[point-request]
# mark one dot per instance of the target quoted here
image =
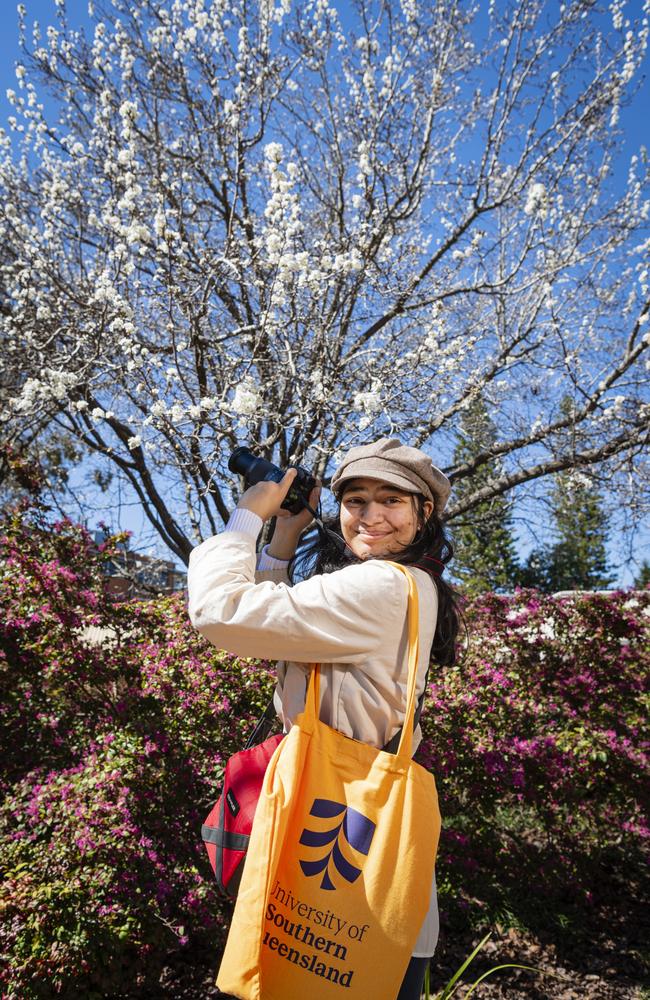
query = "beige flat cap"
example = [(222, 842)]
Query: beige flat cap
[(396, 463)]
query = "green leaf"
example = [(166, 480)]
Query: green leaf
[(511, 965), (448, 990)]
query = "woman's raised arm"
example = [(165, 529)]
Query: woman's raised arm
[(331, 618)]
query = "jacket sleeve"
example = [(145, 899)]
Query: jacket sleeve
[(338, 617), (270, 568)]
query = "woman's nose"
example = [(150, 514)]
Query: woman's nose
[(371, 513)]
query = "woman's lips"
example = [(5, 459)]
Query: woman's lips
[(373, 534)]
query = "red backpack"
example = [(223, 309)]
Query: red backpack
[(227, 828)]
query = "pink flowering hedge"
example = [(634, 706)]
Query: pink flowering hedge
[(111, 755), (537, 742)]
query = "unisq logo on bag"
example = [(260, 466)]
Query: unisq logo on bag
[(317, 940), (352, 828)]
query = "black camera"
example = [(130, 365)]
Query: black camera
[(257, 470)]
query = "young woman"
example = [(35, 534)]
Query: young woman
[(349, 614)]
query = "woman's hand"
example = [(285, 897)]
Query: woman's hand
[(265, 499), (289, 527)]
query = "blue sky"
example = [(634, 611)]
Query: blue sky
[(635, 131), (634, 120)]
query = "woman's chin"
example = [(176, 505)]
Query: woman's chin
[(368, 550)]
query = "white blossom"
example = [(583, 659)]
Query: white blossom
[(537, 201), (547, 629), (247, 399), (363, 160), (273, 153), (370, 401)]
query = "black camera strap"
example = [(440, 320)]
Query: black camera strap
[(393, 743)]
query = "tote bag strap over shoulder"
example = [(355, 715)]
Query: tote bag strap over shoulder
[(405, 747)]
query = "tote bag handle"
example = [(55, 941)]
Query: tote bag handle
[(405, 748)]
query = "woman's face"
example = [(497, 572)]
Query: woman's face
[(378, 519)]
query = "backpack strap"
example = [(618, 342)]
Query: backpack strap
[(263, 727)]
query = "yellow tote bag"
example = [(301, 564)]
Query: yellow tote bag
[(338, 874)]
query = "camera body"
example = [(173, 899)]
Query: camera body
[(257, 470)]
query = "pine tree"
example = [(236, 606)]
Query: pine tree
[(643, 579), (484, 548), (577, 559), (534, 571)]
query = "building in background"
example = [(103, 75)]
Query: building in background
[(137, 576)]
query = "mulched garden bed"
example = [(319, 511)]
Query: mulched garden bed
[(611, 970)]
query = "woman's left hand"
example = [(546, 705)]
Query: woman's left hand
[(265, 498)]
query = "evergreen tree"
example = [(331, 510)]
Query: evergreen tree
[(643, 579), (534, 571), (577, 559), (484, 548)]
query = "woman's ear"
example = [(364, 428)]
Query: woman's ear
[(427, 508)]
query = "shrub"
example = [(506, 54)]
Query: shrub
[(112, 753), (536, 741), (102, 868), (53, 684)]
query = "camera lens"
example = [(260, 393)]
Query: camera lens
[(240, 461), (253, 469)]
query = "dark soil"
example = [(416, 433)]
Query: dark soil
[(612, 971), (598, 974)]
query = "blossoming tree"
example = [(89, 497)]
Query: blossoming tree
[(304, 224)]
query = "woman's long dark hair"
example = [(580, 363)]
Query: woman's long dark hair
[(317, 553)]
